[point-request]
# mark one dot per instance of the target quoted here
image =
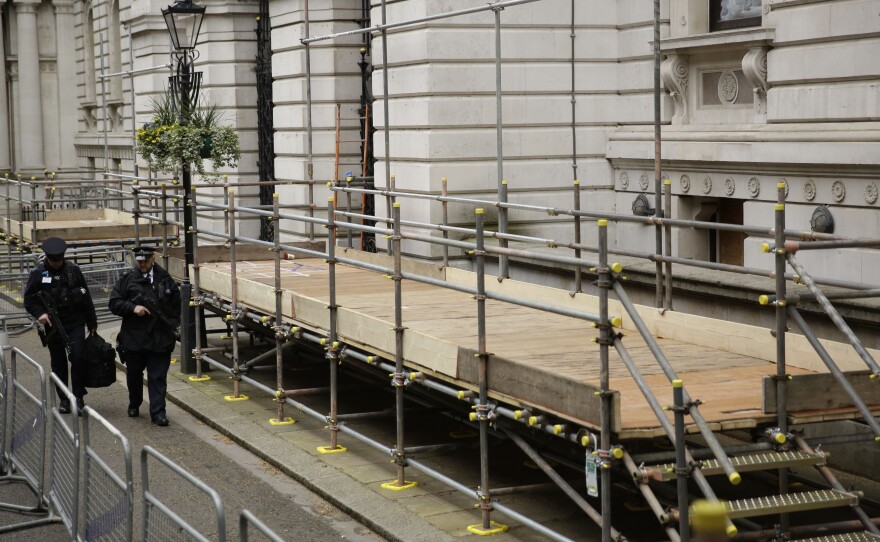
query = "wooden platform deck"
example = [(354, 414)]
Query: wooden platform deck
[(76, 225), (539, 359)]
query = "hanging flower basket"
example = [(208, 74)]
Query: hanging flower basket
[(170, 140)]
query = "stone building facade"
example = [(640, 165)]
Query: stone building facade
[(754, 92)]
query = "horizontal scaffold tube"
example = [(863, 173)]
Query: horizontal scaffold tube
[(493, 6), (648, 220), (385, 449)]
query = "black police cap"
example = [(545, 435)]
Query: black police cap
[(143, 252), (54, 247)]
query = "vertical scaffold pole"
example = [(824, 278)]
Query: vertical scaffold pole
[(234, 315), (398, 380), (658, 200), (605, 340), (781, 325), (310, 166), (578, 277), (280, 336), (105, 121), (196, 301), (136, 211), (333, 350), (667, 244), (444, 192), (681, 468), (503, 262), (482, 408), (390, 183), (164, 204)]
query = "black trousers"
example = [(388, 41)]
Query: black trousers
[(156, 365), (58, 355)]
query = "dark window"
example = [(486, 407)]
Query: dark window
[(729, 14)]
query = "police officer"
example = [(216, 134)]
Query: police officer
[(148, 300), (65, 291)]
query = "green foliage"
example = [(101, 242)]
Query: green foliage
[(171, 139)]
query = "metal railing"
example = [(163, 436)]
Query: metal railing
[(64, 460)]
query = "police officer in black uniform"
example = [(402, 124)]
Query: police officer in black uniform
[(66, 289), (148, 300)]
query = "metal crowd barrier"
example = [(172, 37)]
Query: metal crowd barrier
[(27, 443), (105, 513), (64, 460), (109, 497), (160, 523), (248, 520)]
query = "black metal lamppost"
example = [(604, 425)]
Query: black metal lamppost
[(184, 21)]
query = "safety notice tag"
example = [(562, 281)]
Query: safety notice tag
[(47, 280), (592, 478)]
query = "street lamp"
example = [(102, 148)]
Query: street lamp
[(184, 21)]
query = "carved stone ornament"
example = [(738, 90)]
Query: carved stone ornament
[(624, 180), (684, 183), (728, 88), (809, 190), (674, 72), (707, 185), (838, 191), (754, 187), (871, 193), (729, 186), (754, 65), (643, 181)]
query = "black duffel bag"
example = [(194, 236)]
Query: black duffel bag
[(100, 362)]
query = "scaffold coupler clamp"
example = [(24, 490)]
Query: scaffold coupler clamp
[(398, 380), (606, 457), (776, 436), (483, 413), (399, 457), (235, 315), (485, 500)]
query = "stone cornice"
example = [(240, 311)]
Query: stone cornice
[(701, 43), (26, 6)]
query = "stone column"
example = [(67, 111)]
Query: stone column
[(5, 158), (67, 96), (30, 91)]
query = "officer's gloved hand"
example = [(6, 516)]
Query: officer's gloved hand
[(44, 319)]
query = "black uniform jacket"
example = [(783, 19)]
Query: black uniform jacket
[(146, 333), (68, 290)]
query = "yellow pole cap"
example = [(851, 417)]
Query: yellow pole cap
[(709, 516), (779, 207), (765, 247), (558, 429), (780, 184), (602, 223), (617, 453), (442, 179), (517, 414), (779, 438), (472, 416), (585, 441), (616, 267), (734, 478), (617, 321), (396, 205), (504, 182), (576, 182), (330, 198), (231, 191), (479, 210), (677, 383), (275, 195), (533, 420), (667, 182), (460, 395), (329, 184), (763, 300)]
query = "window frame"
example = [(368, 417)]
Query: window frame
[(716, 26)]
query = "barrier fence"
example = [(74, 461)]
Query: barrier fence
[(103, 510)]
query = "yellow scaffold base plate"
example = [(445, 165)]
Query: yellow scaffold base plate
[(392, 485), (286, 421), (329, 450), (241, 397), (199, 378), (497, 528)]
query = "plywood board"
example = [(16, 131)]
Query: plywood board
[(539, 360), (821, 391)]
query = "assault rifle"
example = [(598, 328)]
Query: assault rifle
[(54, 333), (157, 314)]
